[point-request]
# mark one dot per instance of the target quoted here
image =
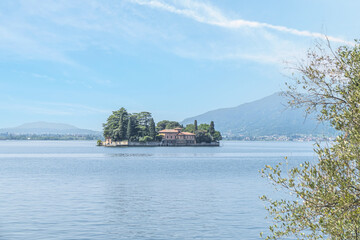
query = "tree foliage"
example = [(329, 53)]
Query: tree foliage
[(121, 125), (212, 128), (327, 192), (120, 131), (152, 131), (190, 128), (166, 124), (130, 128), (217, 136), (112, 126), (204, 127), (204, 132), (142, 123), (203, 136), (146, 139)]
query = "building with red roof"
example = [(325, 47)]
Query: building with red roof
[(177, 137)]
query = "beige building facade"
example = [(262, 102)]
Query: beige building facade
[(177, 137)]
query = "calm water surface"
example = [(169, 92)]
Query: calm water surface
[(75, 190)]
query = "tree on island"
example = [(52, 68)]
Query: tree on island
[(129, 130), (212, 128), (327, 192), (203, 136), (204, 132), (122, 125), (216, 136), (166, 124), (189, 128), (120, 132), (152, 131), (112, 127), (143, 122)]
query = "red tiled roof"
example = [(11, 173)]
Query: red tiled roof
[(187, 133), (169, 131), (176, 131)]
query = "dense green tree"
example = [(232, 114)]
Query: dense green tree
[(327, 192), (152, 131), (203, 136), (189, 128), (120, 131), (111, 127), (217, 136), (161, 125), (143, 120), (146, 139), (129, 130), (212, 128), (166, 124), (195, 125), (121, 125), (204, 127), (173, 124), (135, 128), (203, 133)]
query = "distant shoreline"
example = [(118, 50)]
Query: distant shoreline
[(224, 140), (49, 137)]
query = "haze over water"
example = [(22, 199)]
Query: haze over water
[(75, 190)]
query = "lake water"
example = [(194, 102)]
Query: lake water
[(75, 190)]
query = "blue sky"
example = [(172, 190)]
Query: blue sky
[(74, 61)]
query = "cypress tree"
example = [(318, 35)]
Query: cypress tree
[(212, 128), (129, 130), (195, 125), (152, 132), (121, 131)]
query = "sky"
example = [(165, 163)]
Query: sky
[(76, 61)]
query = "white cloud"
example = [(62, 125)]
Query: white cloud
[(205, 13), (53, 30)]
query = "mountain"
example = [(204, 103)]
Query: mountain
[(48, 128), (265, 117)]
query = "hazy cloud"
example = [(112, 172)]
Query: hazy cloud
[(53, 30), (208, 14)]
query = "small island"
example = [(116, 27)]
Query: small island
[(139, 129)]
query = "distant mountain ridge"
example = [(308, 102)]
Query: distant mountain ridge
[(48, 128), (265, 117)]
